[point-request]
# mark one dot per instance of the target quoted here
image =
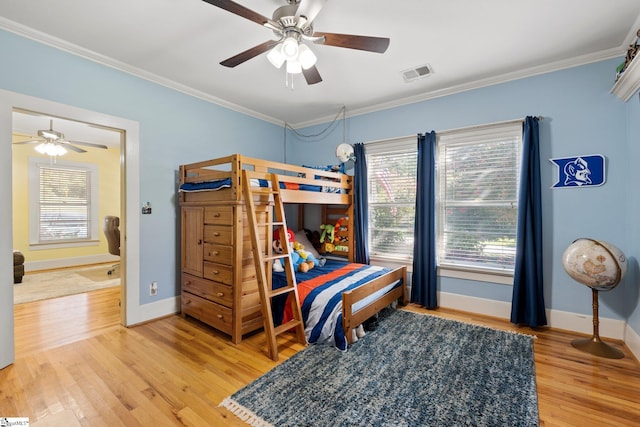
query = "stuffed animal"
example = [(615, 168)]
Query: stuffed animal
[(299, 263), (327, 237), (307, 256)]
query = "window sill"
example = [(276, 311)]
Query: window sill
[(502, 278), (62, 245), (505, 278)]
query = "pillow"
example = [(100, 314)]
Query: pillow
[(301, 237)]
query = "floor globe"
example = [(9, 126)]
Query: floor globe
[(600, 266), (595, 263)]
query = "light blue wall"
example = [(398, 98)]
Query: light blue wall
[(633, 193), (581, 116), (174, 129)]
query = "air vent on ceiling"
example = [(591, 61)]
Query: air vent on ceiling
[(417, 73)]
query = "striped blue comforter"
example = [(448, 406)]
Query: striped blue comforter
[(320, 291)]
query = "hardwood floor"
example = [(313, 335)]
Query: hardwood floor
[(175, 371)]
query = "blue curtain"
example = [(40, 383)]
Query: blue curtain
[(361, 205), (424, 282), (527, 305)]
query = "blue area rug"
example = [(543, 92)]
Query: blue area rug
[(413, 370)]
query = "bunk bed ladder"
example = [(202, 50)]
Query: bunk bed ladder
[(264, 257)]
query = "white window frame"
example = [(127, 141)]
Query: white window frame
[(391, 146), (35, 163), (509, 129), (470, 136)]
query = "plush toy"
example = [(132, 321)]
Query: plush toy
[(307, 256), (299, 263), (327, 237)]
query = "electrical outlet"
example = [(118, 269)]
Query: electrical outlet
[(153, 288)]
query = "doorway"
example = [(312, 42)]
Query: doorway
[(130, 200), (66, 181)]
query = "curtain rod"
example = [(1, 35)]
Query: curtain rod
[(400, 138)]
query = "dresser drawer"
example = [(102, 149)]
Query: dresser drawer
[(218, 254), (218, 234), (207, 311), (218, 272), (207, 289), (218, 215)]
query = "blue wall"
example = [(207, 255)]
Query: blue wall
[(633, 223), (581, 117), (174, 129)]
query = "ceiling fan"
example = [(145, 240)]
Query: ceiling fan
[(53, 142), (293, 23)]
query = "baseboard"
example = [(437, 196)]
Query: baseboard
[(609, 328), (30, 266), (632, 340), (155, 310)]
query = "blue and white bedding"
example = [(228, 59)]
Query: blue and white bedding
[(320, 291), (193, 187)]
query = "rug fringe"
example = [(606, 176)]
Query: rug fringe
[(243, 413)]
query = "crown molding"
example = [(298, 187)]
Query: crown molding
[(478, 84), (63, 45), (73, 49)]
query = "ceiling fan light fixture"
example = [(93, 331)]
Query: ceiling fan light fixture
[(290, 48), (51, 149), (306, 57), (294, 67), (276, 57)]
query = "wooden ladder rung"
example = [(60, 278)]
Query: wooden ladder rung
[(286, 326), (264, 224), (262, 190), (275, 257), (281, 291)]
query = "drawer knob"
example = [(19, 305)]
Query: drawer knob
[(216, 253), (216, 233), (216, 272), (219, 316), (220, 294), (216, 215), (187, 302)]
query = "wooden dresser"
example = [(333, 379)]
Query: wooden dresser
[(218, 279)]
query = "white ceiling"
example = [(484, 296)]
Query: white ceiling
[(468, 44)]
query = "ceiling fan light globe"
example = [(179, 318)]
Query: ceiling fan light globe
[(276, 57), (294, 67), (51, 149), (306, 57), (290, 48)]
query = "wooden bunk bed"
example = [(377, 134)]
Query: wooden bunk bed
[(219, 284)]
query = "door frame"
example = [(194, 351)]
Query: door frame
[(129, 194)]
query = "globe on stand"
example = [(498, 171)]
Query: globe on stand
[(600, 266)]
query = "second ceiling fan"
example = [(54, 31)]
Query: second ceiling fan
[(292, 23)]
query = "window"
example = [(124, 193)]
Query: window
[(478, 172), (63, 202), (391, 168), (477, 179)]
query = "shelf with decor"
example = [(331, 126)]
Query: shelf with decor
[(629, 81)]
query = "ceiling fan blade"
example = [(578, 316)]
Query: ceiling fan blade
[(311, 75), (239, 10), (29, 141), (88, 144), (309, 9), (248, 54), (73, 148), (370, 44)]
